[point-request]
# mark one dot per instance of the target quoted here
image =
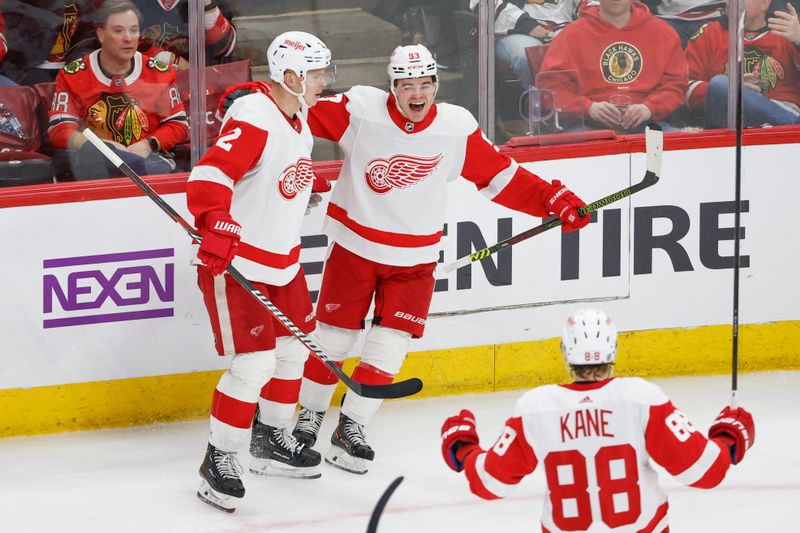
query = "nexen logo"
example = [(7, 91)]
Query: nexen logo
[(114, 287)]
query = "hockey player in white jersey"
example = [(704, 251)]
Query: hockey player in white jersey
[(595, 439), (385, 221), (249, 194)]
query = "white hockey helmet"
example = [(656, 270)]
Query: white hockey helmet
[(297, 51), (412, 61), (589, 338)]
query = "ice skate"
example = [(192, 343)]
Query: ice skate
[(221, 482), (349, 449), (276, 452), (307, 427)]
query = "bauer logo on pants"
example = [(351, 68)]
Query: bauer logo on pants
[(111, 287)]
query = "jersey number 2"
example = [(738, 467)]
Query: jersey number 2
[(576, 490), (232, 135)]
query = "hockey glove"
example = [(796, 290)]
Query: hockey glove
[(313, 201), (459, 439), (564, 204), (240, 89), (220, 241), (735, 429)]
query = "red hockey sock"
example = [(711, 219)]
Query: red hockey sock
[(370, 375), (318, 372)]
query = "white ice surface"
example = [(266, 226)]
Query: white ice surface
[(144, 479)]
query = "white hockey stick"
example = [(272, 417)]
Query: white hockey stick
[(654, 144), (392, 390)]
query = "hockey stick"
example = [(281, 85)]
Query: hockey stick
[(372, 527), (400, 389), (654, 142), (738, 14)]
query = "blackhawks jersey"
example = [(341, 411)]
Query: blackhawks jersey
[(595, 442), (165, 28), (259, 171), (389, 202), (125, 109), (773, 59)]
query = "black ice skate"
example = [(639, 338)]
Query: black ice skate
[(277, 453), (307, 427), (221, 480), (349, 449)]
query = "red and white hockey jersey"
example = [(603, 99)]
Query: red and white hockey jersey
[(595, 442), (389, 203), (259, 170), (125, 109)]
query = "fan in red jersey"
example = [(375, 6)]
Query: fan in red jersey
[(385, 219), (771, 68), (127, 99), (249, 194), (596, 439)]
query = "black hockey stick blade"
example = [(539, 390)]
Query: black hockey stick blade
[(392, 390), (654, 142), (372, 527)]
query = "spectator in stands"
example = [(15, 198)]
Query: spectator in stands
[(771, 92), (45, 35), (126, 98), (519, 24), (616, 48), (3, 49), (165, 30), (686, 16)]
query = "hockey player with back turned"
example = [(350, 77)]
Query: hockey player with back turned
[(385, 221), (249, 194), (595, 439)]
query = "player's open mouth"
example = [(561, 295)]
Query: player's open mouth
[(416, 107)]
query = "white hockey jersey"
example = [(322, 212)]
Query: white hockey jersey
[(259, 171), (389, 202), (595, 442)]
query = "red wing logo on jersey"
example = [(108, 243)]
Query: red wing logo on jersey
[(399, 172), (296, 178)]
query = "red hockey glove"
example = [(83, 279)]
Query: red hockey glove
[(240, 89), (220, 241), (564, 204), (459, 439), (735, 429)]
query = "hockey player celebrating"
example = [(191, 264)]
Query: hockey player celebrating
[(249, 195), (595, 439), (385, 220)]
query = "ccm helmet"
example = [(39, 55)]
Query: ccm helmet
[(589, 338), (411, 61), (299, 52)]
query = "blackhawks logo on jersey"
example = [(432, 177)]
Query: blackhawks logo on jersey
[(399, 171), (621, 63), (295, 178), (766, 69), (75, 67), (157, 65), (63, 41), (119, 118)]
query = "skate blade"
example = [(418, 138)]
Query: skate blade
[(341, 459), (271, 467), (223, 502)]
